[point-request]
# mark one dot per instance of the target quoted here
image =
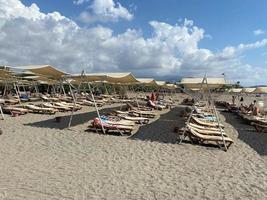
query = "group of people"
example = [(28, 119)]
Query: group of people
[(253, 108)]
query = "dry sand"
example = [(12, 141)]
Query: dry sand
[(41, 160)]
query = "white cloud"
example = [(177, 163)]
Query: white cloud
[(104, 10), (28, 36), (258, 32), (79, 2)]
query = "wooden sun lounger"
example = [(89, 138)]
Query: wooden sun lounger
[(122, 129), (141, 108), (12, 109), (207, 132), (143, 113), (203, 127), (260, 126), (68, 106), (60, 108), (139, 120), (37, 109), (45, 98), (201, 138), (119, 122), (205, 122), (157, 106), (11, 101), (137, 113), (91, 103)]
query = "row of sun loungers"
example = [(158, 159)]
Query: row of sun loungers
[(258, 122), (124, 122), (203, 128)]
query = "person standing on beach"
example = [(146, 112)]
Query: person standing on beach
[(233, 99), (241, 100)]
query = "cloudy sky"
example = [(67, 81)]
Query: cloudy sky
[(162, 39)]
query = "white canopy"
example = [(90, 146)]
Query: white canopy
[(260, 90), (120, 78), (248, 90), (171, 86), (147, 81), (194, 83), (235, 90), (45, 70), (161, 83)]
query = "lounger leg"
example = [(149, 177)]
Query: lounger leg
[(2, 114)]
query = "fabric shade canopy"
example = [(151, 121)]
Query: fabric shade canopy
[(194, 83), (235, 90), (116, 78), (41, 79), (170, 86), (6, 76), (161, 83), (260, 90), (147, 81), (44, 70), (248, 90)]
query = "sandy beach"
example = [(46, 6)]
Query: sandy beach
[(42, 160)]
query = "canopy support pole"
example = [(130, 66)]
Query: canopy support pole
[(2, 114), (93, 98), (17, 93), (205, 81), (74, 106), (181, 138)]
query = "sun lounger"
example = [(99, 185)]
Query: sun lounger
[(118, 121), (201, 138), (140, 113), (60, 108), (46, 98), (13, 109), (37, 109), (122, 129), (68, 105), (91, 103), (136, 113), (156, 106), (206, 131), (141, 108), (205, 122), (139, 120), (11, 101)]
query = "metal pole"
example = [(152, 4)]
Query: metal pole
[(74, 106), (14, 84), (2, 114), (216, 114), (190, 116), (97, 111)]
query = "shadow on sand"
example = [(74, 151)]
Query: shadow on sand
[(247, 133), (161, 130), (78, 119)]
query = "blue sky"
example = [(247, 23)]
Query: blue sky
[(229, 22), (224, 36)]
